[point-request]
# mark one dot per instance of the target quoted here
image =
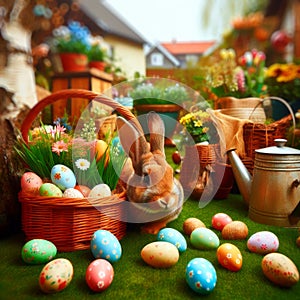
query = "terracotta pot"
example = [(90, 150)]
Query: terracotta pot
[(100, 65), (74, 61)]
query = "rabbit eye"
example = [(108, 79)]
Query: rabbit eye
[(147, 179)]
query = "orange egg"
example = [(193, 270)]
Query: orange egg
[(101, 149), (85, 190)]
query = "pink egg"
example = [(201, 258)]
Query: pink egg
[(219, 220), (30, 183), (99, 275)]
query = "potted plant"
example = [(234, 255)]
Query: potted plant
[(283, 80), (98, 53), (72, 44), (166, 97)]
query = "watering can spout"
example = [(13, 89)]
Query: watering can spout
[(241, 174)]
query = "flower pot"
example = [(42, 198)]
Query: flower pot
[(74, 61), (100, 65), (168, 112), (224, 183)]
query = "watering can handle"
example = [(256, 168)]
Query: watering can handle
[(287, 106)]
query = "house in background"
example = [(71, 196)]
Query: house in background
[(176, 54), (166, 59), (126, 42)]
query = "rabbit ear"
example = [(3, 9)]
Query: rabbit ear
[(133, 143), (157, 132)]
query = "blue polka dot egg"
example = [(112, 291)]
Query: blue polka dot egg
[(201, 276), (105, 245), (174, 237)]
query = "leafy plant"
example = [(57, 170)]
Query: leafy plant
[(148, 93)]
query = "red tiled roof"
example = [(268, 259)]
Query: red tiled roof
[(177, 48)]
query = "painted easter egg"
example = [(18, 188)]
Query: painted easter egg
[(50, 190), (38, 251), (56, 275), (190, 224), (263, 242), (280, 269), (63, 177), (99, 275), (235, 230), (230, 257), (219, 220), (72, 193), (105, 245), (83, 189), (99, 191), (160, 254), (174, 237), (201, 276), (31, 183), (204, 238)]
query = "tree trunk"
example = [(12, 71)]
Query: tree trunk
[(11, 168)]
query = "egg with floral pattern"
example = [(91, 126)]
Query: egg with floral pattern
[(48, 189), (105, 245), (263, 242), (201, 276), (280, 269), (230, 257), (99, 275), (160, 254), (174, 237), (219, 220), (63, 177)]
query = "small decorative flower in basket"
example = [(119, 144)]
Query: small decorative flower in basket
[(77, 187)]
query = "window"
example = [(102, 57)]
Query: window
[(157, 59)]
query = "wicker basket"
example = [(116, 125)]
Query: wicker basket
[(191, 176), (257, 135), (70, 223)]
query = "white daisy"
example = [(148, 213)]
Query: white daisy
[(82, 164)]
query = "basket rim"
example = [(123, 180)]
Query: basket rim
[(68, 202)]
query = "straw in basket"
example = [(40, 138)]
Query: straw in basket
[(67, 222)]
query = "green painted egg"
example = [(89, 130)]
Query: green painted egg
[(204, 238), (50, 190), (38, 251)]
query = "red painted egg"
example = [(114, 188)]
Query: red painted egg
[(31, 183), (99, 275), (219, 221)]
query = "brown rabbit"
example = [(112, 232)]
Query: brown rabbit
[(151, 185)]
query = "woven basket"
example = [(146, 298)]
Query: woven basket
[(257, 135), (190, 173), (67, 222)]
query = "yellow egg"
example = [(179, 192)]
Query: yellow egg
[(101, 149)]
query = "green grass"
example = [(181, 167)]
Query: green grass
[(136, 280)]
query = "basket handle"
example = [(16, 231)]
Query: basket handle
[(287, 106), (76, 95)]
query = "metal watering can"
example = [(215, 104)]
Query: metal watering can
[(273, 192)]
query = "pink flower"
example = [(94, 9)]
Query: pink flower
[(59, 147)]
